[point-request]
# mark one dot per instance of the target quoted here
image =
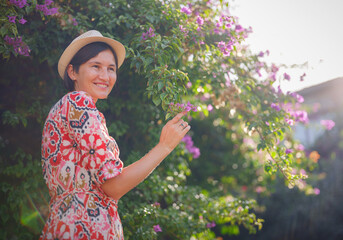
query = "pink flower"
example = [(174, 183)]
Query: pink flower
[(182, 29), (239, 28), (302, 77), (225, 48), (200, 20), (157, 228), (19, 3), (286, 76), (316, 191), (288, 151), (75, 23), (12, 19), (189, 85), (300, 147), (289, 121), (211, 225), (19, 46), (186, 10), (46, 11), (275, 106), (22, 21), (48, 2), (209, 107), (149, 34), (303, 172), (259, 189), (190, 146), (328, 124), (298, 97)]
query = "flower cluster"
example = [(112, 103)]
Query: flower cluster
[(289, 121), (18, 45), (200, 21), (258, 67), (296, 114), (186, 10), (178, 107), (157, 228), (328, 124), (275, 106), (288, 151), (298, 97), (286, 76), (184, 30), (300, 116), (12, 19), (302, 77), (273, 71), (44, 8), (149, 34), (19, 3), (190, 146), (261, 54), (225, 48), (211, 225), (316, 191), (75, 23), (223, 21)]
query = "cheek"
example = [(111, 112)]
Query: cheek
[(114, 78)]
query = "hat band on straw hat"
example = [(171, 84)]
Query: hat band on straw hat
[(84, 39)]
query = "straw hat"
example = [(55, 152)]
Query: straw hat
[(83, 40)]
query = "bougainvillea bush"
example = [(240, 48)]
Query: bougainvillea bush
[(180, 56)]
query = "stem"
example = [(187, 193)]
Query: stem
[(268, 150)]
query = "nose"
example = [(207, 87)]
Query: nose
[(103, 74)]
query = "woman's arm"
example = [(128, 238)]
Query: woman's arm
[(171, 135)]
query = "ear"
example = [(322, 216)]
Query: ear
[(71, 72)]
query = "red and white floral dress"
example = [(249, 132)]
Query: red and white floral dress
[(78, 156)]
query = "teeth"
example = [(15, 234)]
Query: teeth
[(101, 85)]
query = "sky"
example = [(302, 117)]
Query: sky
[(302, 32)]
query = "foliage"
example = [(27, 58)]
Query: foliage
[(176, 53)]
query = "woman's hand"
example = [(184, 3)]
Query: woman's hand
[(173, 132), (171, 135)]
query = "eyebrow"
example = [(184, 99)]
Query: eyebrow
[(92, 62)]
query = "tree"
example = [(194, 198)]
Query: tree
[(177, 52)]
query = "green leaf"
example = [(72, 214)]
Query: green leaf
[(267, 168), (168, 115), (160, 86), (156, 100)]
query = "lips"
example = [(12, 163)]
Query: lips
[(101, 85)]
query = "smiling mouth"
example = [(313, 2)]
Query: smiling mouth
[(101, 85)]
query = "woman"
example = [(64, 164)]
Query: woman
[(81, 163)]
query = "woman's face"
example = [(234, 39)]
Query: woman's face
[(97, 76)]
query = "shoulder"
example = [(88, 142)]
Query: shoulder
[(80, 100)]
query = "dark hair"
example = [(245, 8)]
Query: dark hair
[(83, 55)]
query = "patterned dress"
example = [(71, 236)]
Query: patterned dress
[(78, 156)]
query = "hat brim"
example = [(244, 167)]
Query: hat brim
[(75, 46)]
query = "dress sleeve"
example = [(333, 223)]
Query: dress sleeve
[(99, 152)]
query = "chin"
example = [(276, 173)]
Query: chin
[(102, 96)]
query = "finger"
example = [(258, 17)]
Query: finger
[(178, 117), (186, 129), (183, 124)]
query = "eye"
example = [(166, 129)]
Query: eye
[(95, 66), (112, 69)]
